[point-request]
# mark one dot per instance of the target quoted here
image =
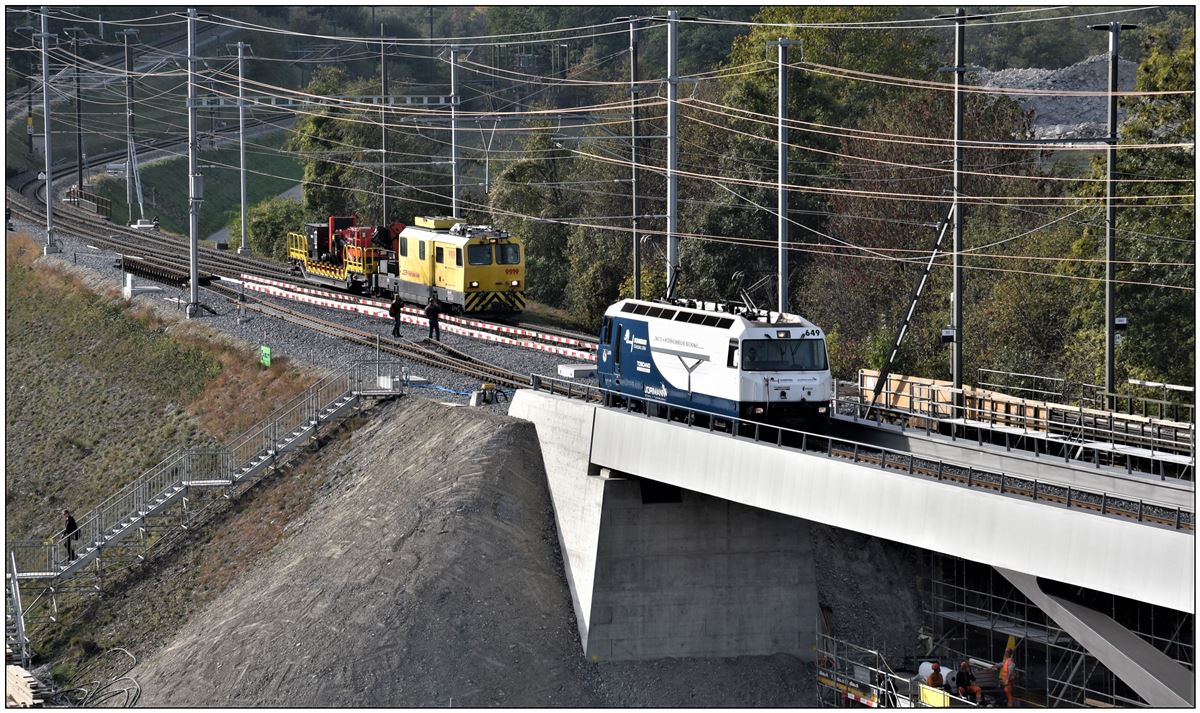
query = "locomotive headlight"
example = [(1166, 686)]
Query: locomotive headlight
[(515, 283), (474, 283)]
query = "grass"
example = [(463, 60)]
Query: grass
[(554, 317), (270, 171), (97, 392)]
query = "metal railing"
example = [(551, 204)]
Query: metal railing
[(864, 674), (1144, 406), (1024, 435), (1041, 385), (17, 612), (1149, 512), (211, 466)]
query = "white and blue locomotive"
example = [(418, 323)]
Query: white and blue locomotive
[(723, 359)]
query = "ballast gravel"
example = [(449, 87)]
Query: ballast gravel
[(312, 349)]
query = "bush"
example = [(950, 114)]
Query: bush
[(269, 222)]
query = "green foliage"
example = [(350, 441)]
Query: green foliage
[(533, 186), (269, 222), (998, 43), (339, 150), (1155, 244)]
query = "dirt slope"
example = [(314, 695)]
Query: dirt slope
[(417, 580), (428, 575)]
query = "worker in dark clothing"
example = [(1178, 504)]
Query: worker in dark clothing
[(432, 310), (70, 532), (395, 311), (966, 683)]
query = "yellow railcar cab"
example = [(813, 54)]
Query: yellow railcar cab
[(472, 268)]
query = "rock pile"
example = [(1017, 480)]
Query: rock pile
[(1065, 116)]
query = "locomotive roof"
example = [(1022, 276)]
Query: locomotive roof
[(445, 236), (749, 318)]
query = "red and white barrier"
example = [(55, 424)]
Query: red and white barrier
[(378, 308), (501, 328)]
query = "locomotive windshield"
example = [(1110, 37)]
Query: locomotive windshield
[(508, 253), (479, 254), (784, 355)]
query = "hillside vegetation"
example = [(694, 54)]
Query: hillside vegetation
[(98, 392)]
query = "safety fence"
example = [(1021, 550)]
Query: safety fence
[(862, 677), (822, 444)]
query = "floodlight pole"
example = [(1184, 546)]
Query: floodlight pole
[(672, 149), (244, 248)]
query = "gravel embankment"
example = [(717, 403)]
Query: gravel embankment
[(316, 350)]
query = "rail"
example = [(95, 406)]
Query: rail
[(1148, 512), (1050, 443), (244, 456)]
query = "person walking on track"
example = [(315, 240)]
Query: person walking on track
[(432, 310), (395, 311)]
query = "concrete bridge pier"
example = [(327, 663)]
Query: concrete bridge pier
[(657, 571)]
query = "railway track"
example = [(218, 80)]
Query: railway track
[(424, 352), (1016, 486), (145, 244), (524, 337), (171, 253)]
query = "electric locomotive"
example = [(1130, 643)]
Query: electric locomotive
[(723, 359), (471, 268)]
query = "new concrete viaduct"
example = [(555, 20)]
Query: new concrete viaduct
[(729, 574)]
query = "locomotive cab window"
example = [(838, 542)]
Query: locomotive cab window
[(403, 247), (508, 254), (439, 255), (606, 330), (784, 355), (458, 256), (733, 350), (479, 254), (421, 250)]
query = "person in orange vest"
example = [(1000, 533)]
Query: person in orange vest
[(1007, 674)]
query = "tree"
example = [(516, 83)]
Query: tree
[(528, 189), (269, 222), (339, 148), (1156, 239)]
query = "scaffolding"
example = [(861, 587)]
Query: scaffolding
[(849, 675), (975, 609)]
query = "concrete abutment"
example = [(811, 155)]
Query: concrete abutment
[(656, 571)]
